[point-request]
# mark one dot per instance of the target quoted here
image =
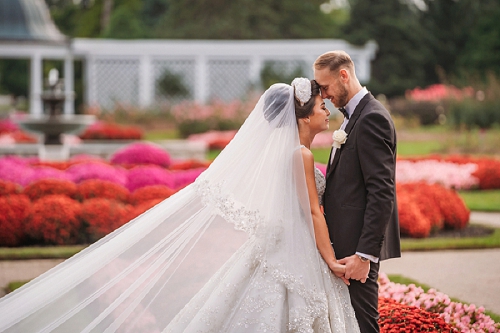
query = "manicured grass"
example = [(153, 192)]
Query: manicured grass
[(418, 148), (321, 155), (482, 200), (39, 252), (158, 135), (432, 244), (14, 285), (407, 281)]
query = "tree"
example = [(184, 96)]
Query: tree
[(402, 43), (124, 22), (245, 19)]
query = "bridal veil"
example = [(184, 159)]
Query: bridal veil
[(245, 217)]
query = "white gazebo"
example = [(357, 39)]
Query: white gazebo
[(27, 32)]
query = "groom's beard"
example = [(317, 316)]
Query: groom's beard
[(342, 96)]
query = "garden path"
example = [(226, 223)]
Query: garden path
[(469, 275)]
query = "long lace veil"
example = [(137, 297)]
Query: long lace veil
[(141, 276)]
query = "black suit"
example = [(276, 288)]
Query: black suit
[(360, 200)]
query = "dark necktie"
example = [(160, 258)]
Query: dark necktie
[(344, 112)]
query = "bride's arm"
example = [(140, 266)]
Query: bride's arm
[(319, 223)]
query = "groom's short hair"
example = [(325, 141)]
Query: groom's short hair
[(334, 61)]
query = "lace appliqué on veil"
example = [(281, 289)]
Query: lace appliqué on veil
[(233, 212)]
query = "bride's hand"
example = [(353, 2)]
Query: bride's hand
[(339, 271)]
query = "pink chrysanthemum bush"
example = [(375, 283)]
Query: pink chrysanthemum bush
[(141, 176), (96, 170), (141, 153), (462, 317)]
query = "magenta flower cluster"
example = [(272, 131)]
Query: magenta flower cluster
[(141, 153), (465, 318)]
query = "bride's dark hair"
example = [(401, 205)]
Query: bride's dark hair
[(307, 109)]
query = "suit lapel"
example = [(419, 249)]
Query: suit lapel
[(350, 125)]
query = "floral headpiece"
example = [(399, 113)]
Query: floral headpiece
[(302, 87)]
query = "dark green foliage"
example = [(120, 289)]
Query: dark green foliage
[(125, 24), (171, 85), (273, 72), (14, 77)]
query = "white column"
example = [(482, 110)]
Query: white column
[(36, 86), (145, 82), (90, 82), (201, 86), (69, 85), (255, 68)]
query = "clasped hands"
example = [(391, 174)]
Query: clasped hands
[(351, 268)]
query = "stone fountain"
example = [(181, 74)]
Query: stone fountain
[(52, 123)]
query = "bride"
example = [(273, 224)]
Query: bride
[(245, 248)]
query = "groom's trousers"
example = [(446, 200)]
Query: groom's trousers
[(364, 299)]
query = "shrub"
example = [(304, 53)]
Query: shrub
[(452, 207), (97, 170), (14, 209), (141, 176), (419, 194), (141, 153), (186, 177), (96, 188), (397, 317), (101, 216), (142, 207), (44, 187), (15, 171), (151, 192), (188, 164), (488, 173), (46, 173), (411, 220), (111, 131), (7, 188), (55, 219)]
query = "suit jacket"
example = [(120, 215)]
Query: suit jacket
[(360, 197)]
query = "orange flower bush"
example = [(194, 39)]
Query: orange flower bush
[(111, 131), (100, 216), (55, 219), (14, 209), (96, 188), (419, 193), (142, 207), (411, 220), (151, 192), (7, 188), (43, 187), (455, 212), (188, 164), (397, 317)]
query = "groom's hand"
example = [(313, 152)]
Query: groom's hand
[(355, 268)]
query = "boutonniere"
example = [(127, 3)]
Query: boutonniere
[(339, 138)]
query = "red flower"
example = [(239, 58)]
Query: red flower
[(96, 188), (44, 187), (14, 209), (54, 219), (411, 220), (143, 207), (397, 317), (152, 192), (7, 188), (101, 216), (189, 164)]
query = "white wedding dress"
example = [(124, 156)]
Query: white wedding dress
[(233, 252)]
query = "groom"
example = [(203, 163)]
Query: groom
[(360, 197)]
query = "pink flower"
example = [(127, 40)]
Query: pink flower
[(96, 170), (141, 153)]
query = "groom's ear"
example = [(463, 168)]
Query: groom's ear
[(344, 75)]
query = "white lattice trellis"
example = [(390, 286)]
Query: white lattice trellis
[(116, 80), (184, 68), (228, 79)]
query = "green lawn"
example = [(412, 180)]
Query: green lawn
[(418, 148), (482, 200), (39, 252)]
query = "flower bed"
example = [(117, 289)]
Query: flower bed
[(141, 153), (14, 209), (95, 188), (111, 131), (101, 216), (43, 187), (461, 317)]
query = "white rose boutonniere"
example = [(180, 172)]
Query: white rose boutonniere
[(339, 138)]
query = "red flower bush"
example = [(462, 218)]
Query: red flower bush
[(188, 164), (55, 219), (151, 192), (419, 194), (96, 188), (141, 153), (111, 131), (142, 207), (44, 187), (14, 209), (411, 220), (397, 317), (452, 207), (488, 172), (101, 216), (7, 188)]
